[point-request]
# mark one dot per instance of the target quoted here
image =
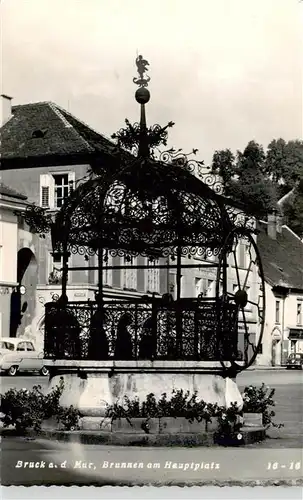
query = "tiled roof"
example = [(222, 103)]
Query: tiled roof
[(11, 193), (282, 258), (43, 129)]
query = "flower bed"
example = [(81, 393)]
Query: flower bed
[(24, 409), (180, 414), (260, 400)]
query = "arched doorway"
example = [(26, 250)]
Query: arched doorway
[(23, 296)]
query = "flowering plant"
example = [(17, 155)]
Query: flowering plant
[(260, 400), (25, 409), (181, 404), (230, 423)]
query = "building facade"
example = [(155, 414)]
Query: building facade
[(18, 266), (282, 255)]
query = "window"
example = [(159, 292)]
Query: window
[(61, 189), (55, 269), (210, 291), (299, 313), (260, 303), (30, 346), (277, 311), (243, 256), (152, 276), (204, 286), (130, 275), (198, 286), (21, 346), (7, 345), (171, 283), (107, 275), (54, 188)]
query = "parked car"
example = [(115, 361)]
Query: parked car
[(20, 355), (295, 360)]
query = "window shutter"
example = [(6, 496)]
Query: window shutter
[(46, 191), (71, 181)]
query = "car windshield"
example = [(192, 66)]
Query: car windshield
[(7, 345), (295, 356)]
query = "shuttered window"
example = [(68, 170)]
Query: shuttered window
[(55, 187), (45, 196)]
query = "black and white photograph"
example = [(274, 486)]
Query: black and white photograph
[(151, 249)]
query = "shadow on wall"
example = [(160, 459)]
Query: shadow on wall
[(23, 305)]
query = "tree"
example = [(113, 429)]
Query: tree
[(244, 178), (258, 178), (284, 164)]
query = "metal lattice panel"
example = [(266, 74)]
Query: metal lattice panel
[(147, 205), (140, 330)]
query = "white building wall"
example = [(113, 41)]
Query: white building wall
[(9, 243), (8, 265), (276, 346), (291, 320)]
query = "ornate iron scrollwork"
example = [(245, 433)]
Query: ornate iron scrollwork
[(150, 330), (244, 258), (163, 203)]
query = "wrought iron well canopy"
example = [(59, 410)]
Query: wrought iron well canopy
[(155, 206)]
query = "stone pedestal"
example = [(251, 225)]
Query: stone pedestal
[(92, 385)]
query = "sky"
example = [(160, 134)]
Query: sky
[(225, 71)]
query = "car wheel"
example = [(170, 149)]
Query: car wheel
[(12, 371), (44, 371)]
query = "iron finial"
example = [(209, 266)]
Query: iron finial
[(143, 79)]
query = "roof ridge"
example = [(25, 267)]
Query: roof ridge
[(57, 109), (54, 108), (85, 124), (292, 232), (31, 104)]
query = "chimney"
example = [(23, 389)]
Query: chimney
[(279, 223), (272, 225), (6, 109)]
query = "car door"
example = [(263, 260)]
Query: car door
[(20, 354), (31, 361), (35, 357)]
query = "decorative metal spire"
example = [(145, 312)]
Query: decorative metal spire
[(141, 68), (136, 137), (142, 97)]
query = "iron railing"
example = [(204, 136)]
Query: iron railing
[(193, 329)]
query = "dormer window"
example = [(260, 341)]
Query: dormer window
[(39, 134)]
